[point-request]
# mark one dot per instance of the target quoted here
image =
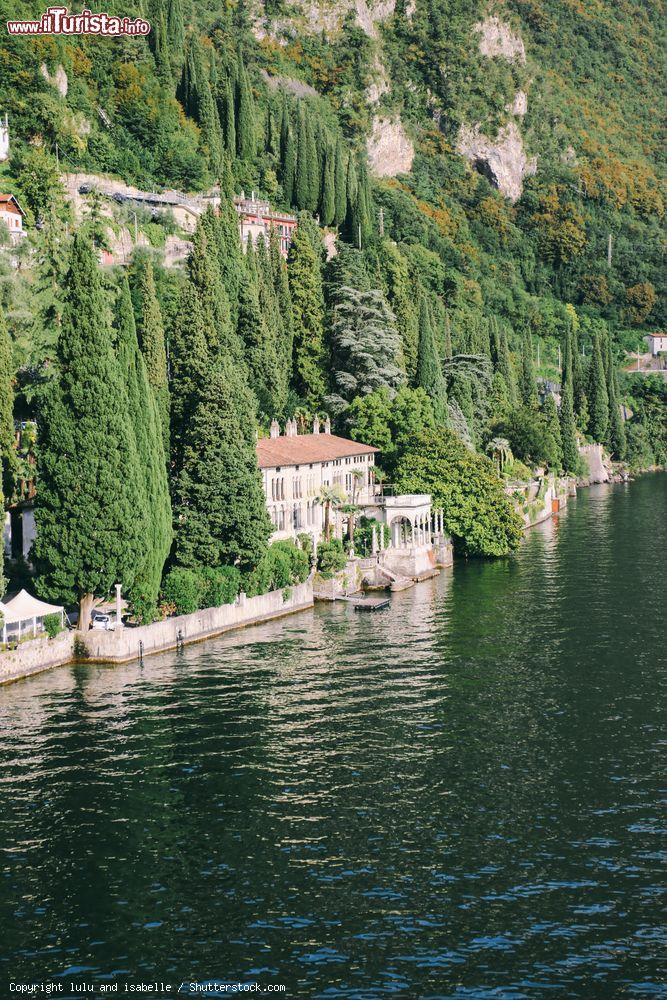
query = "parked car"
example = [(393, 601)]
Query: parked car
[(102, 622)]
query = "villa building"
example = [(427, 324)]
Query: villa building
[(12, 215), (257, 219), (295, 467)]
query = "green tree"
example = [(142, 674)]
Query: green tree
[(550, 412), (340, 184), (204, 273), (328, 195), (616, 440), (305, 284), (365, 346), (429, 368), (527, 384), (568, 427), (257, 329), (38, 179), (227, 113), (400, 294), (285, 339), (151, 489), (153, 346), (87, 530), (8, 457), (175, 27), (598, 399), (245, 113), (478, 515), (190, 363), (530, 437), (220, 508)]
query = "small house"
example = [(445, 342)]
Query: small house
[(12, 215), (657, 342)]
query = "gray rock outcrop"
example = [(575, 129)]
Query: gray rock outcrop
[(503, 159), (390, 149)]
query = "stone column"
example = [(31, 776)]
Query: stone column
[(119, 621), (374, 540)]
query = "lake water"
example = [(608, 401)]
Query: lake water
[(457, 797)]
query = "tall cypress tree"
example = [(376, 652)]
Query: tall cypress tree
[(8, 458), (284, 345), (153, 347), (429, 368), (230, 254), (616, 439), (568, 429), (395, 279), (598, 399), (87, 531), (258, 337), (527, 385), (340, 183), (190, 363), (221, 513), (363, 208), (227, 113), (245, 113), (302, 170), (351, 193), (288, 173), (161, 48), (204, 273), (328, 195), (175, 27), (151, 490), (550, 412), (312, 166), (305, 284), (447, 335)]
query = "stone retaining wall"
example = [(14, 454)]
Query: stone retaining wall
[(123, 645), (36, 655)]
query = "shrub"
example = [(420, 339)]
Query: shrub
[(144, 608), (283, 564), (363, 535), (52, 625), (220, 586), (298, 560), (182, 588), (305, 542), (331, 558)]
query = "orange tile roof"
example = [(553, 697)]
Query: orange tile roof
[(5, 199), (305, 448)]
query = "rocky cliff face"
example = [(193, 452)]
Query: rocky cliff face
[(390, 150), (502, 158)]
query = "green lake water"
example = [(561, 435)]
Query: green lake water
[(457, 797)]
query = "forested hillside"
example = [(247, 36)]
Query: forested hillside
[(490, 182)]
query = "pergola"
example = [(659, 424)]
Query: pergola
[(25, 613)]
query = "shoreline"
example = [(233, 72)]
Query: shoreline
[(132, 644)]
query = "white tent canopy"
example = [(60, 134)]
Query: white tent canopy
[(27, 610)]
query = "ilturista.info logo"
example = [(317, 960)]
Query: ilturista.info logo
[(59, 21)]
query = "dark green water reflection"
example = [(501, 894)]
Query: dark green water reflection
[(459, 797)]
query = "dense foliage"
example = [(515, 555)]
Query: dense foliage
[(442, 323), (478, 515)]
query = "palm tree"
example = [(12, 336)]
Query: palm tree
[(331, 498), (379, 476), (357, 480), (351, 510), (500, 449)]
